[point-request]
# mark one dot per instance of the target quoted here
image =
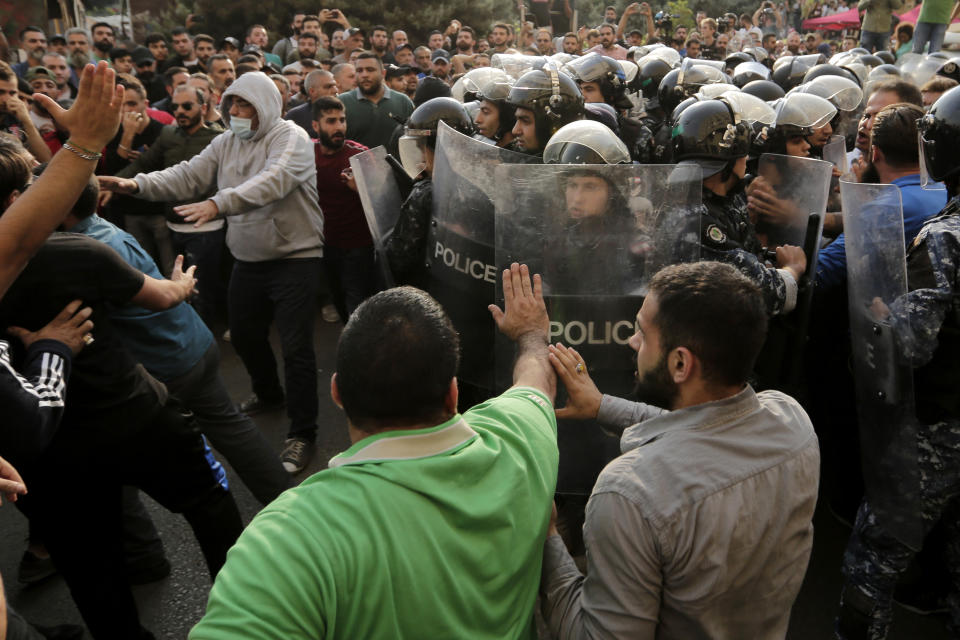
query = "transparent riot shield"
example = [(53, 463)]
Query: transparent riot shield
[(596, 234), (876, 278), (462, 272), (381, 198), (792, 195), (835, 152)]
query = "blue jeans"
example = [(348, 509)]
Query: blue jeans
[(875, 40), (284, 291), (204, 250), (931, 32)]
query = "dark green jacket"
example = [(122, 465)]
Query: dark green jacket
[(173, 146)]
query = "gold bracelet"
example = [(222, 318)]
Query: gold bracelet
[(79, 151)]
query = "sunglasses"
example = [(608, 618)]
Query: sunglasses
[(186, 106)]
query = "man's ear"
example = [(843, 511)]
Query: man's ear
[(682, 365), (876, 155), (452, 397), (335, 391), (315, 125)]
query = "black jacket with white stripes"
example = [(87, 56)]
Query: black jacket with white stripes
[(32, 400)]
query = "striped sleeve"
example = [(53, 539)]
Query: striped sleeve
[(32, 401)]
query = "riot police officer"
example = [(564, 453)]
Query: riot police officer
[(496, 118), (406, 246), (925, 324), (710, 134), (545, 100)]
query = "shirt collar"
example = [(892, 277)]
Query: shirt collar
[(408, 444), (700, 416), (387, 91), (903, 181), (84, 225)]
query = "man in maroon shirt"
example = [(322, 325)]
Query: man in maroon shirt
[(348, 246)]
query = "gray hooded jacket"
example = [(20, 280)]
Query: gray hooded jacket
[(267, 184)]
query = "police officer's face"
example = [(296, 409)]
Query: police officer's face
[(591, 92), (798, 146), (525, 130), (821, 136), (587, 197), (488, 119)]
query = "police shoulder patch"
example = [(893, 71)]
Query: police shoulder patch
[(715, 234)]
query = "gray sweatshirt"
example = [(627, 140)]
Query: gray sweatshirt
[(267, 184)]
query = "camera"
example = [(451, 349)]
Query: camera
[(664, 21)]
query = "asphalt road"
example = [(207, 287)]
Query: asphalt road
[(172, 606)]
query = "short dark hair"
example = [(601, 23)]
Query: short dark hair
[(395, 360), (895, 134), (154, 37), (714, 311), (378, 27), (326, 103), (202, 37), (246, 67), (609, 7), (501, 25), (607, 25), (470, 30), (179, 31), (938, 84), (308, 35), (29, 28), (103, 24), (86, 203), (310, 17), (119, 52), (173, 71), (249, 58), (218, 56), (369, 55), (906, 91), (6, 72), (256, 26), (130, 82), (15, 165)]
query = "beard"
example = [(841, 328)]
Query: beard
[(463, 46), (371, 91), (656, 387), (188, 122), (79, 59), (336, 142), (103, 46)]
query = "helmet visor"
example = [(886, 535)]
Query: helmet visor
[(926, 148), (412, 156)]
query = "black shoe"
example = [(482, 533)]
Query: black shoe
[(254, 405), (296, 455), (34, 569)]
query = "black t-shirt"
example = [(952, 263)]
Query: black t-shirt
[(113, 163), (69, 267)]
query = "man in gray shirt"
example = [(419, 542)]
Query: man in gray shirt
[(702, 528)]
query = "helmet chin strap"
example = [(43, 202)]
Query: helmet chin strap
[(553, 104)]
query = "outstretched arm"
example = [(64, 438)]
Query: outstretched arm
[(92, 121)]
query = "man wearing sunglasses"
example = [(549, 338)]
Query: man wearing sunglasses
[(201, 246)]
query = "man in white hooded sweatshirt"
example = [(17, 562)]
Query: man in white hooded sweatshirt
[(264, 173)]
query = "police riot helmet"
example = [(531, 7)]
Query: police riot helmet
[(710, 135), (467, 86), (602, 113), (830, 70), (747, 72), (766, 90), (870, 61), (552, 96), (685, 81), (606, 72), (680, 108), (585, 142), (496, 91), (790, 71), (939, 132), (736, 58), (950, 69), (883, 72), (651, 75), (421, 130), (842, 92), (886, 56)]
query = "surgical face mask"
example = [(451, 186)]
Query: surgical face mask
[(241, 127)]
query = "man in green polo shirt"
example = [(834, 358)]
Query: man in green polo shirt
[(432, 524), (373, 110)]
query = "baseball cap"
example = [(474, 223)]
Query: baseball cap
[(142, 55), (231, 41), (58, 37), (38, 72), (353, 31), (440, 54)]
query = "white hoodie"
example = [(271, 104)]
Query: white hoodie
[(266, 185)]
